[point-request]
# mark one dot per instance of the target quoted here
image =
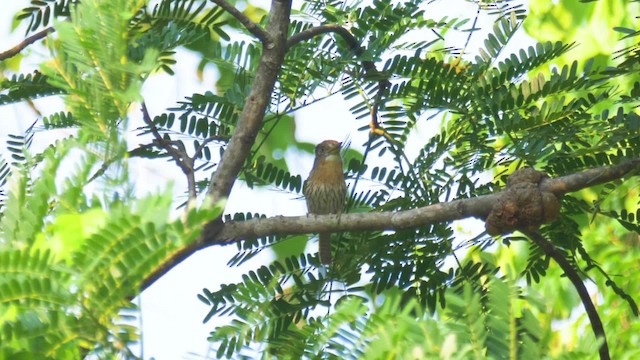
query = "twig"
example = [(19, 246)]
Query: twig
[(26, 42), (325, 29), (252, 27), (353, 43), (596, 324), (175, 149), (369, 66), (207, 141)]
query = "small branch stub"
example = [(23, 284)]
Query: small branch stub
[(523, 206)]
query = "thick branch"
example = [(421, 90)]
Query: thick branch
[(478, 207), (369, 66), (252, 27), (249, 123), (594, 318), (376, 221), (252, 114), (26, 42)]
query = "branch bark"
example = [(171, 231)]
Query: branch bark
[(478, 207), (249, 123), (252, 27), (234, 231), (255, 106), (26, 42), (588, 178), (572, 274)]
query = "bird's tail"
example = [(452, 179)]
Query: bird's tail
[(325, 248)]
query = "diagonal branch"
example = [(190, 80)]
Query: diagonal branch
[(252, 27), (249, 123), (570, 272), (26, 42), (176, 150), (353, 43), (369, 66)]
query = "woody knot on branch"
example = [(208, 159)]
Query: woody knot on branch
[(524, 205)]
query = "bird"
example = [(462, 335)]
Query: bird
[(325, 190)]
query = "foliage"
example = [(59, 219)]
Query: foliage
[(72, 262), (490, 325), (609, 243), (29, 86)]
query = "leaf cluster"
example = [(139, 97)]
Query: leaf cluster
[(69, 268)]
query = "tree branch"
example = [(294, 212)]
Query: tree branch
[(353, 43), (249, 123), (26, 42), (325, 29), (220, 233), (369, 66), (177, 153), (375, 221), (596, 324), (478, 207), (588, 178), (252, 27), (252, 115)]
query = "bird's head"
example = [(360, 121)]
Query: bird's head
[(328, 150)]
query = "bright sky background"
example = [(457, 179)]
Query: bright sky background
[(171, 314)]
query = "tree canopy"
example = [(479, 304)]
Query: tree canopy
[(540, 142)]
